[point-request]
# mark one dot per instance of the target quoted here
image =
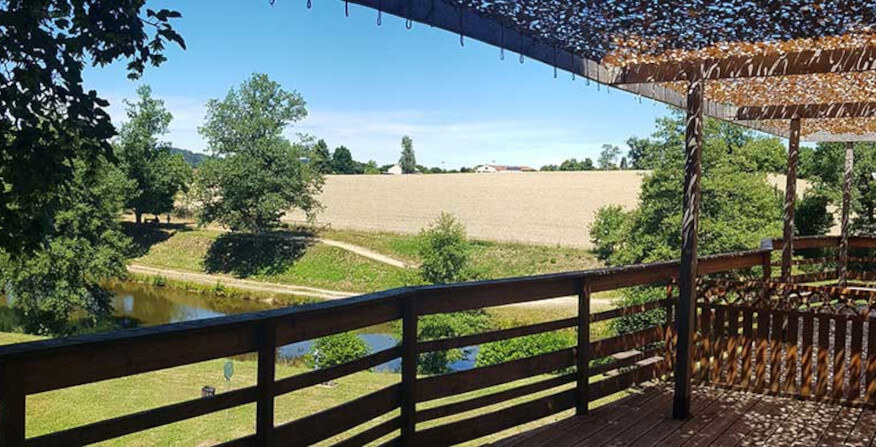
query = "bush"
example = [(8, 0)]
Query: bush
[(337, 349), (457, 324), (523, 347), (609, 230), (812, 216), (445, 252), (635, 296)]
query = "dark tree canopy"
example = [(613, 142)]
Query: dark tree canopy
[(47, 119)]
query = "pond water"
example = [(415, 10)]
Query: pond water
[(144, 305)]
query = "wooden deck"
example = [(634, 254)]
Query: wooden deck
[(721, 418)]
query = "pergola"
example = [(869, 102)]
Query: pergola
[(798, 69)]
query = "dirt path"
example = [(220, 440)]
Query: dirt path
[(368, 253), (245, 284)]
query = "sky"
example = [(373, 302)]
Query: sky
[(367, 85)]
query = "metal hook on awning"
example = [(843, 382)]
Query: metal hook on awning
[(461, 29), (521, 48), (501, 43), (346, 9), (555, 62), (409, 23), (380, 13)]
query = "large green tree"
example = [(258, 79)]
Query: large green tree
[(258, 174), (739, 207), (608, 157), (157, 173), (407, 161), (823, 165), (49, 122)]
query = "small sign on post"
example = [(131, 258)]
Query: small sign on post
[(228, 370)]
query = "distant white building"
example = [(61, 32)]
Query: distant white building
[(395, 170), (502, 169)]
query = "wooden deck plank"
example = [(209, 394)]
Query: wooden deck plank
[(702, 399), (756, 422), (865, 428), (721, 418), (841, 427)]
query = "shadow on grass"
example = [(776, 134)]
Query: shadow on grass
[(249, 254), (144, 236)]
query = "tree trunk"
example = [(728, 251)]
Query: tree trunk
[(138, 216)]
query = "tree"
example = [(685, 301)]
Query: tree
[(342, 161), (337, 349), (824, 165), (408, 161), (608, 157), (48, 122), (321, 158), (623, 163), (61, 280), (158, 174), (444, 252), (260, 174)]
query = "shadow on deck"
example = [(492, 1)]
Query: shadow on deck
[(721, 418)]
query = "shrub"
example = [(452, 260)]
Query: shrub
[(812, 216), (445, 252), (456, 324), (608, 230), (337, 349), (523, 347), (634, 322)]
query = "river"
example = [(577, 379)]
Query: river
[(145, 305)]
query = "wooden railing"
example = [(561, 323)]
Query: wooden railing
[(815, 342), (42, 366)]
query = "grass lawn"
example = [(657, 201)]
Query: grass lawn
[(70, 407)]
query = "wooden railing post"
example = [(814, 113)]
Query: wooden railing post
[(583, 353), (790, 199), (12, 409), (267, 362), (409, 373), (843, 258)]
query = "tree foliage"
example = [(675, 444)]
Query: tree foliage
[(158, 174), (571, 164), (48, 122), (445, 252), (824, 166), (608, 158), (259, 175), (738, 207), (408, 161), (456, 324), (61, 280), (524, 347)]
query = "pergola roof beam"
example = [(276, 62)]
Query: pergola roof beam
[(808, 111), (733, 67)]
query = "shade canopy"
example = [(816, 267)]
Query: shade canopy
[(766, 62)]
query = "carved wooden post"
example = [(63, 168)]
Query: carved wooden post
[(409, 373), (686, 314), (583, 355), (267, 364), (843, 261), (12, 409), (790, 199)]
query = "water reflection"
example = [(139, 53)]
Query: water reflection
[(143, 305)]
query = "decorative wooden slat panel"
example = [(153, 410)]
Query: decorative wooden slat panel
[(855, 361), (719, 344), (839, 357), (327, 423), (822, 363), (777, 336), (807, 354), (791, 366), (732, 346), (747, 343), (762, 343), (705, 342), (870, 391)]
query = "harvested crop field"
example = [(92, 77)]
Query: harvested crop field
[(534, 207)]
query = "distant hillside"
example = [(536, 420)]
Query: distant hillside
[(192, 158)]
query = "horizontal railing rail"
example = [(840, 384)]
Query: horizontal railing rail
[(42, 366)]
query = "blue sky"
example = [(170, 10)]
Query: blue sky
[(367, 85)]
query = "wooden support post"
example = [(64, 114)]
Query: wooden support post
[(790, 199), (12, 409), (267, 363), (843, 261), (583, 354), (409, 373), (687, 279)]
